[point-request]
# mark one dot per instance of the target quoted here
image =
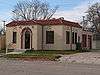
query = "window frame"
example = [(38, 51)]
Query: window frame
[(49, 37), (67, 37), (73, 39), (14, 40)]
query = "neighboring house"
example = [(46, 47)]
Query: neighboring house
[(2, 42), (53, 34), (96, 41)]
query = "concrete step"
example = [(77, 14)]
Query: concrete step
[(19, 50), (14, 52)]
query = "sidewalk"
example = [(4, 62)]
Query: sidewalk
[(14, 52)]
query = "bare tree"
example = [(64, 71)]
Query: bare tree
[(93, 17), (33, 10)]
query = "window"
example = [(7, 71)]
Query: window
[(78, 39), (84, 40), (75, 38), (14, 37), (67, 37), (49, 37), (72, 37)]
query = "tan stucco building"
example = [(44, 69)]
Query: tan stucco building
[(53, 34)]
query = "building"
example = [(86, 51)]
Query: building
[(53, 34), (96, 41), (2, 42)]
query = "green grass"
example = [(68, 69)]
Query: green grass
[(33, 56), (41, 54), (4, 50)]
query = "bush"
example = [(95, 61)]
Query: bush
[(85, 50), (78, 46), (50, 51)]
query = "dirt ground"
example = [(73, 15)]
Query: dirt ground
[(15, 67)]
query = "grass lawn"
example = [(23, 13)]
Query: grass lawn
[(4, 50), (43, 52), (40, 54)]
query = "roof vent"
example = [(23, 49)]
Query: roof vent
[(53, 18), (62, 18)]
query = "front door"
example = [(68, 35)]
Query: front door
[(27, 40)]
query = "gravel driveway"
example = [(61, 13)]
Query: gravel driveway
[(87, 57)]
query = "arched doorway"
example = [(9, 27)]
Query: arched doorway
[(26, 38)]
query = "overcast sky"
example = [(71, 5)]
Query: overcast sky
[(72, 10)]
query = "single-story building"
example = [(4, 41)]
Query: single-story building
[(53, 34)]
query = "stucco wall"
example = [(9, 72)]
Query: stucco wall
[(74, 29), (91, 34), (18, 29), (9, 37), (39, 37), (59, 37)]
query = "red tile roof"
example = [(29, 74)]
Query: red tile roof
[(44, 22)]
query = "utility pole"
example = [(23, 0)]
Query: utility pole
[(4, 26), (5, 34), (83, 22)]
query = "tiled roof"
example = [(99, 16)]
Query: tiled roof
[(44, 22)]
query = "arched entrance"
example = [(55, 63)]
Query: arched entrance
[(26, 38)]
